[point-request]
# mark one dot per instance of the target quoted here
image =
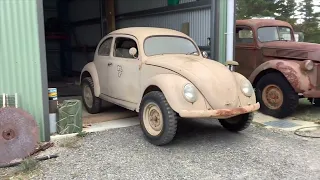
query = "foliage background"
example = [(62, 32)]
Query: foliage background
[(301, 14)]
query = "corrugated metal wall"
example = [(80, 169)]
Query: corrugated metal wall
[(199, 22), (20, 57), (125, 6)]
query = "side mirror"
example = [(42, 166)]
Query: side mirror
[(133, 51), (204, 54), (232, 64)]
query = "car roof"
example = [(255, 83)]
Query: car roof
[(256, 23), (144, 32)]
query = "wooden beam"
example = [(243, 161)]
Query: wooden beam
[(110, 14)]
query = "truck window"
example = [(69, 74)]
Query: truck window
[(244, 35)]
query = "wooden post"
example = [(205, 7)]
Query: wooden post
[(110, 15)]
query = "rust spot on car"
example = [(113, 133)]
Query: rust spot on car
[(230, 112), (290, 73)]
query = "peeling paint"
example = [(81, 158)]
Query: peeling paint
[(290, 73)]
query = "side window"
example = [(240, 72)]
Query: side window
[(122, 47), (244, 35), (105, 47)]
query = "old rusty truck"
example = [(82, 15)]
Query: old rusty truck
[(280, 69)]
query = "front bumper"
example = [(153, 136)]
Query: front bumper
[(219, 113)]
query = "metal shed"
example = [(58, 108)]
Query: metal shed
[(31, 56)]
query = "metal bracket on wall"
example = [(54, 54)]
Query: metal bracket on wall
[(7, 100)]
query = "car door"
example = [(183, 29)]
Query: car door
[(246, 50), (102, 62), (124, 72)]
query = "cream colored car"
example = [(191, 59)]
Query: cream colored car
[(162, 74)]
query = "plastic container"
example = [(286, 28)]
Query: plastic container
[(69, 117)]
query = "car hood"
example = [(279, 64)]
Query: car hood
[(214, 80), (291, 49)]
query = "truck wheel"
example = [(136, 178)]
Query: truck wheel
[(276, 96), (237, 123), (158, 120), (90, 101)]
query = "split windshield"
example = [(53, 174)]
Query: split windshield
[(157, 45), (266, 34)]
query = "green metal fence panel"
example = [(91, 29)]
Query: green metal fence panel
[(20, 57)]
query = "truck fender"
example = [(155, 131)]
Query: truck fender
[(171, 86), (289, 68), (91, 69)]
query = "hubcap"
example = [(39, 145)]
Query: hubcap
[(87, 94), (152, 119), (272, 97)]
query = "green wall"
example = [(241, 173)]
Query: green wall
[(22, 57)]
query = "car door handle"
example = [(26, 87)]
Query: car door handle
[(109, 64)]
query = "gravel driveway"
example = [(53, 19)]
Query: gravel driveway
[(201, 150)]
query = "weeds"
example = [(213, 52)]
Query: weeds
[(70, 142), (82, 134), (28, 165)]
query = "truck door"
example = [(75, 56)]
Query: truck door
[(246, 50)]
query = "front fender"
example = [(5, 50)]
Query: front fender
[(291, 70), (171, 86), (91, 69)]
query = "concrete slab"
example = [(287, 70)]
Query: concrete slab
[(103, 126)]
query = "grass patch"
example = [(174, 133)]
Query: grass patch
[(82, 134), (308, 116), (73, 142)]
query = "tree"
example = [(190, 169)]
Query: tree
[(254, 8), (310, 25), (285, 10)]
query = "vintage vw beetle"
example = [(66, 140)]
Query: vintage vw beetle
[(162, 74)]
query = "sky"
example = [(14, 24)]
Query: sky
[(316, 9)]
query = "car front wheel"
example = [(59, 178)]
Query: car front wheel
[(158, 120), (237, 123), (91, 102)]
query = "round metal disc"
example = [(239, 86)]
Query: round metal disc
[(19, 134)]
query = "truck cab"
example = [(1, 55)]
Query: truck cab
[(281, 69)]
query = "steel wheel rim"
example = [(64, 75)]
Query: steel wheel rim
[(152, 119), (272, 96), (87, 94)]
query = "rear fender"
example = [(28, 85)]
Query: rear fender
[(91, 69), (172, 86), (291, 70)]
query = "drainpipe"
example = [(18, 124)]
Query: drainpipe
[(230, 30)]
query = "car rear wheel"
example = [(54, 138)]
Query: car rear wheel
[(237, 123), (158, 120), (276, 96), (90, 101)]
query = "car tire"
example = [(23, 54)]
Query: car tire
[(286, 96), (158, 120), (87, 86), (237, 123)]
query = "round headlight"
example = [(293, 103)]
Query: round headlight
[(189, 93), (246, 88), (308, 64)]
